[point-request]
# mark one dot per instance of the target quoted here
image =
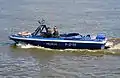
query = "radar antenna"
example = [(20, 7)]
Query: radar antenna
[(41, 22), (40, 28)]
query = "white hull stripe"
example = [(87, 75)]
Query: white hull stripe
[(95, 42)]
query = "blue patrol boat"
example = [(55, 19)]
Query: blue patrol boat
[(63, 41)]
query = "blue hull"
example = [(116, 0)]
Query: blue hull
[(61, 45)]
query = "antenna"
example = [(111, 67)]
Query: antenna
[(41, 22)]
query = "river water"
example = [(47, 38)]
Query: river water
[(83, 16)]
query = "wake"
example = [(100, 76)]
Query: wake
[(113, 43)]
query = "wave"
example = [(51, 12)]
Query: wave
[(113, 50), (114, 43), (27, 46)]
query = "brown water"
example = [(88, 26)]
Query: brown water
[(85, 17)]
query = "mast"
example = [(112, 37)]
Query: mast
[(40, 28)]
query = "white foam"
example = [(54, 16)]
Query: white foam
[(71, 49), (116, 46), (109, 44), (27, 46)]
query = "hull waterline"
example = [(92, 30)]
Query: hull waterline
[(44, 37), (60, 44)]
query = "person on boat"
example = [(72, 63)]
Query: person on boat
[(24, 33), (55, 32), (49, 32)]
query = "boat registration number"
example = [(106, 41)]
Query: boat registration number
[(65, 44), (70, 44)]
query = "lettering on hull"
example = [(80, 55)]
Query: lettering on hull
[(70, 44), (52, 44), (65, 44)]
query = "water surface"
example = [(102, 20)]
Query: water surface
[(83, 16)]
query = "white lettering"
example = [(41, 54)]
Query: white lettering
[(51, 44), (70, 44)]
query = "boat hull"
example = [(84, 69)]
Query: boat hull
[(60, 44)]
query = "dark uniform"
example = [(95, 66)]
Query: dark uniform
[(55, 33), (49, 33)]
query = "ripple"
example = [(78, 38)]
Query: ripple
[(83, 16), (19, 67), (5, 43)]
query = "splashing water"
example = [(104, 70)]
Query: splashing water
[(111, 42), (115, 47), (114, 43), (113, 50), (27, 46)]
